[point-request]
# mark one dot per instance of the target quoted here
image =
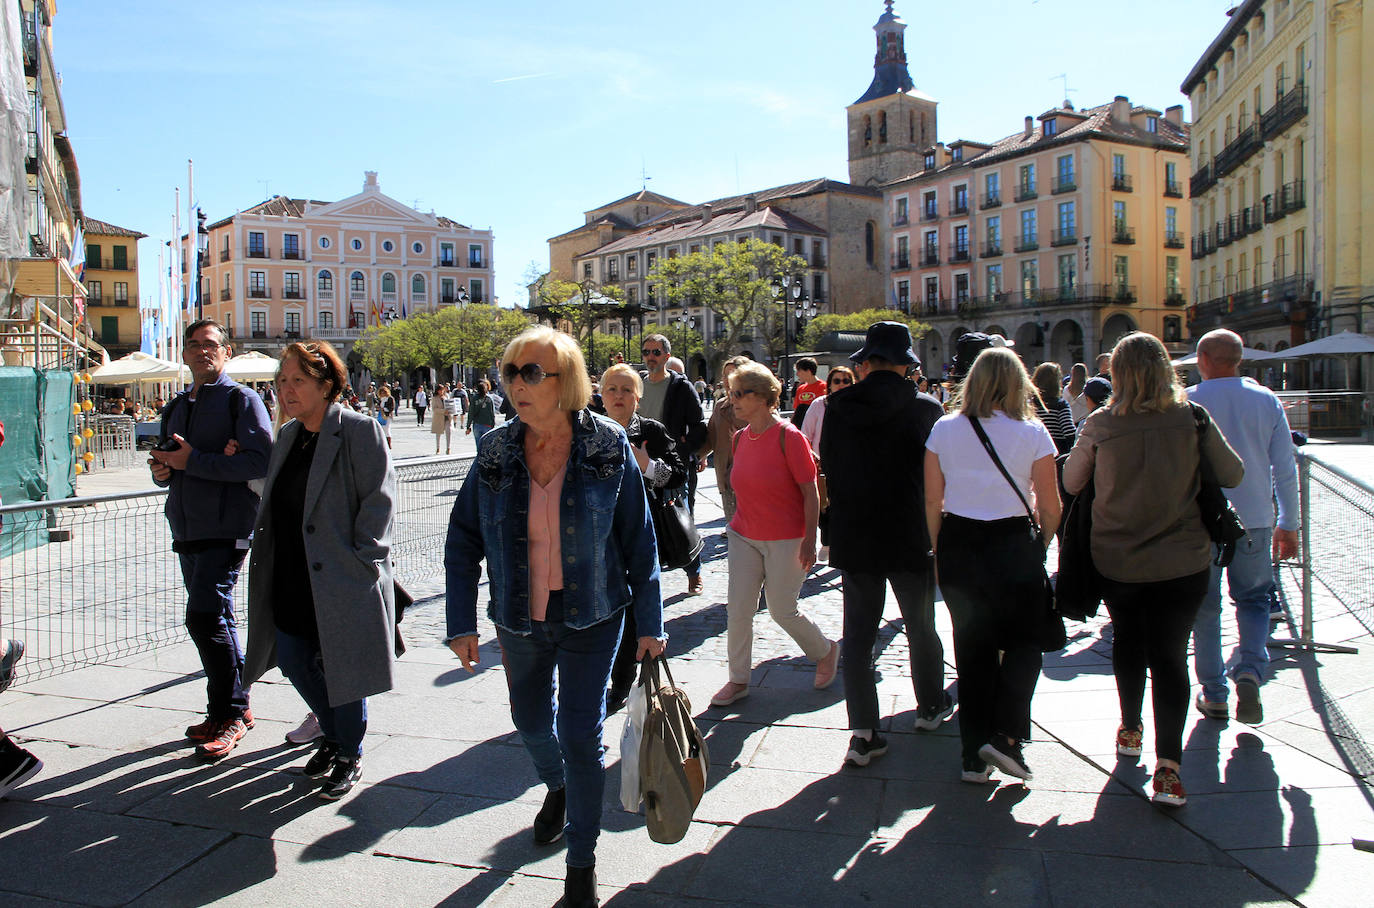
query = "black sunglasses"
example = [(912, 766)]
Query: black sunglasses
[(842, 380), (651, 351), (532, 373)]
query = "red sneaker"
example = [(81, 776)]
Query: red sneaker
[(225, 740), (204, 731), (1169, 788)]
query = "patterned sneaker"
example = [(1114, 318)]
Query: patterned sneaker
[(862, 751), (17, 766), (929, 718), (226, 738), (1169, 788), (976, 772), (1129, 742), (1212, 709), (342, 777), (319, 763), (204, 731)]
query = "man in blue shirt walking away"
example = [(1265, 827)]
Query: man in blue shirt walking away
[(1252, 419)]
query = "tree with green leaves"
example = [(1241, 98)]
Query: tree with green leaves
[(736, 281), (822, 325), (473, 335), (579, 307)]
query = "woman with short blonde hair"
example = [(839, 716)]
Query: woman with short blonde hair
[(1146, 382), (574, 386)]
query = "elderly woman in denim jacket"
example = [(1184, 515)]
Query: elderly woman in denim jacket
[(556, 506)]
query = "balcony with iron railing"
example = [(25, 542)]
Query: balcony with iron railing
[(1284, 298), (1239, 149), (292, 295), (224, 255), (1025, 192), (958, 206), (1290, 108), (293, 254), (1251, 220), (1223, 234), (1291, 197), (259, 293), (1203, 179), (447, 262), (1123, 294), (817, 260), (225, 295), (1123, 235), (1121, 182), (1173, 239), (1092, 295), (1204, 244), (259, 253), (1026, 242), (930, 258), (958, 253), (991, 249), (901, 261), (990, 200), (901, 219), (1173, 189), (930, 213), (1064, 236), (1064, 183)]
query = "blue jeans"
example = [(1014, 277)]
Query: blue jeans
[(1250, 580), (564, 737), (301, 661), (210, 576), (478, 430)]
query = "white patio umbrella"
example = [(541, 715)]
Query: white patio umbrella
[(136, 368), (1247, 355), (1345, 344), (252, 366)]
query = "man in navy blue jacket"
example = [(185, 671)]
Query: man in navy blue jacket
[(211, 509)]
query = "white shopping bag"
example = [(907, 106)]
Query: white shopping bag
[(636, 710)]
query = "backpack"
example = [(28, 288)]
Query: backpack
[(673, 761)]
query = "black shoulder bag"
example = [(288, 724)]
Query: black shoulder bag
[(1221, 520), (1049, 625)]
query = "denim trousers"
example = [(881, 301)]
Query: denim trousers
[(1150, 627), (301, 661), (992, 576), (561, 722), (864, 598), (210, 576), (1250, 581)]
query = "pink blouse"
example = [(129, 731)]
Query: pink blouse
[(546, 553)]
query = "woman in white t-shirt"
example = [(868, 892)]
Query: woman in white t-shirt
[(989, 557)]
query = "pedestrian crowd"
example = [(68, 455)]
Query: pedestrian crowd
[(902, 480)]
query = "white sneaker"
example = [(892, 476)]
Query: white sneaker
[(307, 731)]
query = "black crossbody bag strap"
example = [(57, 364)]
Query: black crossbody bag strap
[(992, 452)]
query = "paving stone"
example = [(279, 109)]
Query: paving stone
[(104, 859), (1291, 817), (1081, 879), (842, 803), (109, 781)]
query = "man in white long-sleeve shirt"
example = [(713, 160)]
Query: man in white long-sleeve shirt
[(1252, 419)]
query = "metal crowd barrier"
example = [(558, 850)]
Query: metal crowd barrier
[(85, 581), (114, 443), (1339, 555)]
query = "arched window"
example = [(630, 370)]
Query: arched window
[(357, 283), (417, 285), (325, 281), (388, 283), (882, 127), (868, 131), (870, 232)]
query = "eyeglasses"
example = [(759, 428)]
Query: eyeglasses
[(207, 346), (736, 395), (532, 373), (651, 351), (842, 380)]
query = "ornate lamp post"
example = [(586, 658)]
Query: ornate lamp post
[(688, 323), (202, 250), (463, 299)]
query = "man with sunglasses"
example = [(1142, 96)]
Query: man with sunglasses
[(211, 509), (873, 454), (669, 398)]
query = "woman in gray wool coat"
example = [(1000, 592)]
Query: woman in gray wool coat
[(320, 594)]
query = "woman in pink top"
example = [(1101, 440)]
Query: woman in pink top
[(772, 537)]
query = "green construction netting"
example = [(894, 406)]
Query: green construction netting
[(37, 459)]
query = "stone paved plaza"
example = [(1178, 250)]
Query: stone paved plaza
[(124, 814)]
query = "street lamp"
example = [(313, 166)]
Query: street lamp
[(795, 307), (463, 299), (202, 249), (688, 323)]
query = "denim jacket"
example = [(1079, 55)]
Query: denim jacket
[(610, 558)]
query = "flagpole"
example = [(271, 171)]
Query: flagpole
[(180, 255)]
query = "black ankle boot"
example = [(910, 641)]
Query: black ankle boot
[(579, 888), (548, 823)]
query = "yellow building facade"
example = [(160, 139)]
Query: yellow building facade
[(111, 279), (1348, 167)]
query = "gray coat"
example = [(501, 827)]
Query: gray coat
[(350, 502)]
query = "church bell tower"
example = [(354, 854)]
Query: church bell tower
[(892, 124)]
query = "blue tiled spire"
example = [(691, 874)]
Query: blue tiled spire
[(890, 74)]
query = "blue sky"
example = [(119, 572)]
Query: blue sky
[(520, 116)]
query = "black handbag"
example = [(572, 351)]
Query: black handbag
[(1078, 586), (679, 542), (1049, 623), (1223, 524)]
